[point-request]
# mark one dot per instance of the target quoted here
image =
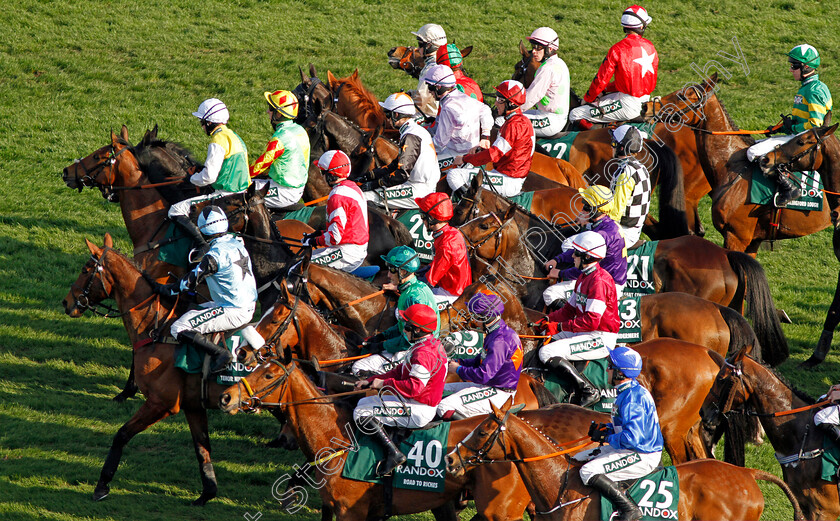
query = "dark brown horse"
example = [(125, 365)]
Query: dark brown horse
[(686, 264), (168, 390), (709, 489), (744, 383), (744, 225)]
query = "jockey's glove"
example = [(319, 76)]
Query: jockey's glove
[(599, 431), (165, 290), (378, 337), (787, 124), (551, 328), (373, 348)]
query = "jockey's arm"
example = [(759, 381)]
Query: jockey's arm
[(212, 166), (623, 193), (602, 78), (537, 90), (273, 151), (486, 369)]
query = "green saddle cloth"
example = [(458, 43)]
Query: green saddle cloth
[(470, 344), (762, 190), (190, 360), (302, 215), (175, 252), (830, 460), (640, 270), (425, 468), (423, 241), (524, 199), (596, 372), (657, 494), (558, 147)]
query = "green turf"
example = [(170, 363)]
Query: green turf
[(72, 71)]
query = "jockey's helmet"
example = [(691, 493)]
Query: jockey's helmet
[(628, 138), (590, 244), (335, 163), (597, 196), (212, 221), (404, 258), (626, 360), (449, 55), (420, 316), (284, 102), (546, 37), (431, 34), (804, 56), (512, 91), (213, 111), (486, 306), (398, 105), (440, 76), (436, 205), (635, 17)]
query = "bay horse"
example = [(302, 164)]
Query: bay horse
[(687, 264), (409, 60), (167, 389), (743, 383), (116, 167), (709, 489), (744, 225)]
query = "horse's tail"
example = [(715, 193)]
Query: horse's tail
[(772, 478), (672, 218), (754, 288), (740, 333), (544, 396)]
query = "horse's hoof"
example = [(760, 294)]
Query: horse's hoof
[(101, 492), (784, 318), (125, 395), (203, 499), (810, 363)]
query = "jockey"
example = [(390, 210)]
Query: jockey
[(586, 328), (511, 153), (449, 273), (344, 244), (415, 170), (828, 419), (633, 437), (597, 200), (463, 122), (286, 157), (630, 182), (389, 347), (429, 38), (492, 377), (225, 170), (547, 98), (226, 268), (810, 106), (635, 63), (410, 392), (450, 56)]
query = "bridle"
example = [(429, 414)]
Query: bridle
[(675, 118), (89, 179), (255, 402), (733, 380), (479, 456), (407, 64), (497, 233), (812, 150), (82, 300), (305, 98)]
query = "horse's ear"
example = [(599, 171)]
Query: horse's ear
[(331, 81), (714, 79), (522, 49), (115, 139), (511, 211), (498, 413), (476, 182), (466, 51), (94, 249), (303, 78), (124, 133), (831, 130), (355, 74), (312, 72), (153, 134), (264, 190), (109, 242)]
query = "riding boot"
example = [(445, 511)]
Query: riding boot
[(191, 230), (586, 394), (627, 509), (831, 431), (221, 356), (395, 458), (787, 191)]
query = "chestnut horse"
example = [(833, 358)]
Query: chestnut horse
[(709, 489), (168, 390), (745, 225), (686, 264), (744, 383), (115, 167), (408, 59)]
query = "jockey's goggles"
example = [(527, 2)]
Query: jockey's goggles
[(393, 269)]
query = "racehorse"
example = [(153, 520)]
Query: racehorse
[(168, 390), (744, 383), (115, 167), (408, 59), (745, 225), (686, 264), (709, 489)]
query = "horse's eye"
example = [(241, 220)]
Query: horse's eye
[(269, 376), (484, 226)]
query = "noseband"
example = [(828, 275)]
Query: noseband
[(82, 300), (89, 179)]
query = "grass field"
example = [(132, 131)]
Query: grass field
[(71, 71)]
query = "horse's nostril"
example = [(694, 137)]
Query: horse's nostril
[(225, 399)]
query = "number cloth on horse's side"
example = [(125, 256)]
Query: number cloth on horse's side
[(657, 495), (763, 188)]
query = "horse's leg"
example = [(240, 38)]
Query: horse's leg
[(197, 420), (130, 388), (148, 414), (445, 512), (832, 318)]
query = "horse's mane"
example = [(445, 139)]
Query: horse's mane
[(363, 98), (802, 395), (747, 139)]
